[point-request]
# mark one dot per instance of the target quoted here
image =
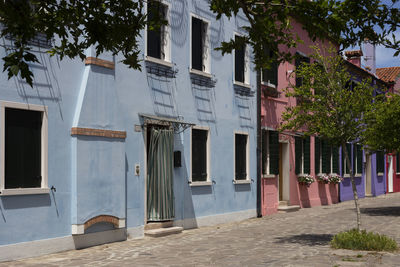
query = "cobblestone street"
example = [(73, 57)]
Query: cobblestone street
[(291, 239)]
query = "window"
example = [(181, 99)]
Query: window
[(357, 159), (200, 147), (270, 152), (380, 162), (398, 163), (24, 149), (242, 68), (157, 38), (300, 59), (241, 156), (345, 168), (326, 157), (302, 155), (269, 76), (200, 45)]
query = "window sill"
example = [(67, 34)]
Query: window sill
[(380, 174), (270, 85), (24, 191), (245, 85), (205, 183), (201, 73), (269, 176), (247, 181), (159, 61)]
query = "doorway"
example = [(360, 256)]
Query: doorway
[(284, 171), (159, 180)]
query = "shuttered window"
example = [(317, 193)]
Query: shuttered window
[(241, 156), (317, 151), (326, 157), (240, 61), (270, 76), (302, 155), (23, 148), (345, 168), (357, 159), (335, 160), (156, 11), (380, 162), (299, 60), (199, 155), (398, 163), (197, 43)]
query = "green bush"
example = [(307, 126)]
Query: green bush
[(363, 240)]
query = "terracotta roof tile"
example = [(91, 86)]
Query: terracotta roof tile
[(388, 74)]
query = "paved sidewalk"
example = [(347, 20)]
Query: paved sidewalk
[(292, 239)]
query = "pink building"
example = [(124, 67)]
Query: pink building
[(285, 155)]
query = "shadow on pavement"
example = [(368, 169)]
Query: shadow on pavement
[(381, 211), (306, 239)]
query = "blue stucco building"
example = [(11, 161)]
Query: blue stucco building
[(95, 139)]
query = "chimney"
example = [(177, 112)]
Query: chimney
[(354, 57), (370, 57)]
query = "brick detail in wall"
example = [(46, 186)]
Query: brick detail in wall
[(100, 62), (98, 132), (102, 218)]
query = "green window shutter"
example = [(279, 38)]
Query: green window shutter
[(264, 151), (307, 155), (335, 160), (273, 152), (353, 156), (348, 147), (297, 151), (317, 153), (359, 159), (380, 161), (398, 162), (326, 161)]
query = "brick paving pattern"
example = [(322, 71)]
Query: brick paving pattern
[(291, 239)]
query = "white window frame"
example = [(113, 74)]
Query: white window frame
[(246, 82), (247, 180), (166, 37), (44, 189), (206, 48), (208, 180)]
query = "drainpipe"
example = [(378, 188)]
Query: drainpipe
[(258, 96)]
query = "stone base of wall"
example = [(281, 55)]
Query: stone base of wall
[(53, 245)]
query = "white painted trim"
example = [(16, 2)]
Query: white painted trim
[(200, 73), (194, 184), (247, 180), (246, 85), (204, 128), (269, 176), (212, 220), (380, 174), (167, 32), (44, 147), (159, 61), (78, 229), (206, 52), (121, 223), (24, 191)]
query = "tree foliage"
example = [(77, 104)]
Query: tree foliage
[(72, 26), (383, 123), (331, 106)]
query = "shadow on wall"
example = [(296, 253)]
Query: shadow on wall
[(162, 85), (25, 201), (245, 106), (306, 239), (381, 211), (204, 99), (179, 22), (322, 193), (45, 85), (304, 196)]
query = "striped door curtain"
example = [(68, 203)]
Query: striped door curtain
[(160, 194)]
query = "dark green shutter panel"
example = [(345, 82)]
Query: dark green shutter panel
[(353, 156), (348, 146), (359, 159), (307, 155), (326, 162), (380, 161), (273, 152), (317, 154), (297, 151), (335, 159), (239, 61), (240, 156), (264, 150), (398, 162), (197, 44)]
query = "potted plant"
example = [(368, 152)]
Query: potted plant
[(335, 178), (323, 178), (305, 179)]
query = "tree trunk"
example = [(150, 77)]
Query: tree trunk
[(353, 185)]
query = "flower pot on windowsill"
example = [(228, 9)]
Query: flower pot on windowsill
[(323, 179), (270, 91), (305, 179)]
